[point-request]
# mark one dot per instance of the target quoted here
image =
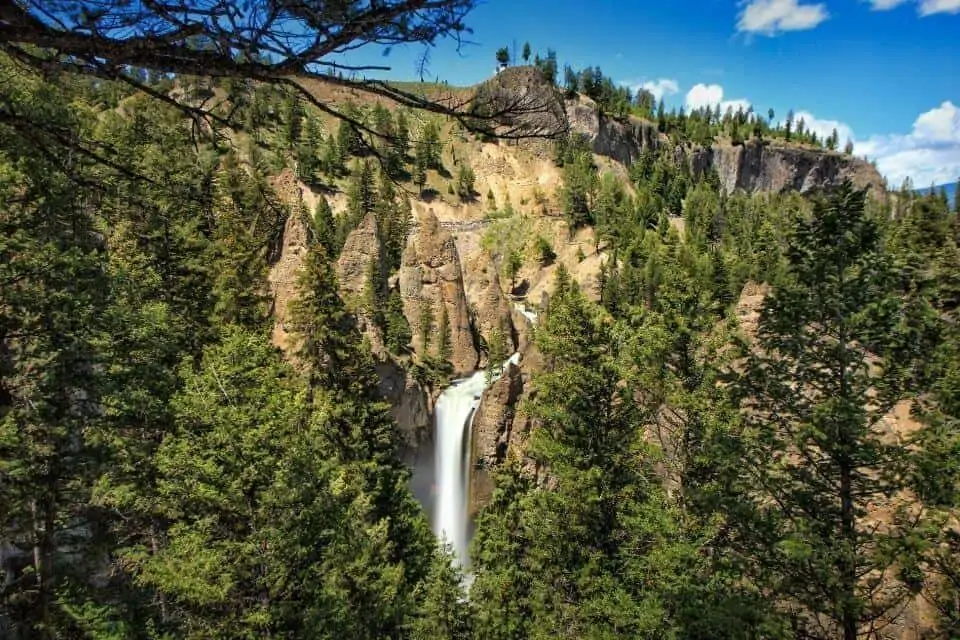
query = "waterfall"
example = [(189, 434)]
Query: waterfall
[(454, 417), (526, 313)]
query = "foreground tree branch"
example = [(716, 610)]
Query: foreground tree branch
[(271, 41)]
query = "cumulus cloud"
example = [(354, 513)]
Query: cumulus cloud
[(659, 88), (710, 95), (824, 128), (662, 87), (924, 7), (770, 17), (929, 154)]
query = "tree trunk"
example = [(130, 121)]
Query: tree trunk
[(848, 569)]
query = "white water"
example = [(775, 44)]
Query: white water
[(454, 417), (529, 315)]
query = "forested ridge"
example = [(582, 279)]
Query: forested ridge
[(167, 471)]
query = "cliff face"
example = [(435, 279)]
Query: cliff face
[(621, 141), (493, 310), (493, 432), (431, 278), (362, 252), (283, 275), (776, 167), (769, 166)]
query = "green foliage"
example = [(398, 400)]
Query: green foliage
[(512, 265), (323, 227), (808, 393), (544, 251), (671, 483), (497, 352), (398, 334), (465, 182), (580, 184), (361, 200)]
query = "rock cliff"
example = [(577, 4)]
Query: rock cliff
[(362, 254), (409, 401), (776, 166), (282, 279), (621, 141), (493, 432), (431, 278), (770, 166), (493, 311)]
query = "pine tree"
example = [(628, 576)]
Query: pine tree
[(292, 119), (526, 52), (323, 227), (398, 335), (241, 266), (52, 331), (401, 135), (420, 172), (445, 613), (512, 266), (496, 353), (361, 199), (465, 182), (816, 396), (444, 341)]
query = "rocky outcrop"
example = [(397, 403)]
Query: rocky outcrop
[(493, 432), (493, 311), (410, 403), (282, 279), (431, 281), (362, 253), (775, 167), (623, 141), (362, 248), (755, 166)]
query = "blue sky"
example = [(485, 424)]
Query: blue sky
[(886, 73)]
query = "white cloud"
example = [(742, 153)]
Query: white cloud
[(662, 87), (924, 7), (704, 95), (929, 154), (770, 17), (659, 88), (824, 128)]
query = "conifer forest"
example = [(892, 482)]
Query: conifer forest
[(240, 280)]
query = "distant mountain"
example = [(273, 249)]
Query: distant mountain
[(951, 191)]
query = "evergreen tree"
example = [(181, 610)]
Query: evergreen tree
[(241, 266), (52, 296), (526, 52), (559, 585), (420, 172), (444, 341), (401, 135), (579, 190), (292, 118), (445, 614), (398, 335), (511, 267), (828, 370), (465, 182), (496, 353), (361, 199), (323, 227)]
